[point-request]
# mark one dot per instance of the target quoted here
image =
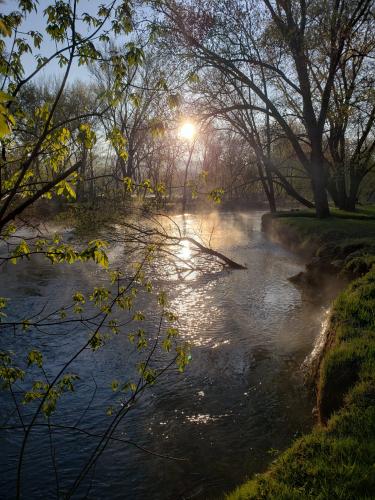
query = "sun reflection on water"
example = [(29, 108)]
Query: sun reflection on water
[(193, 277), (204, 418), (199, 314), (185, 251)]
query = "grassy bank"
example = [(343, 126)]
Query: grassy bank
[(344, 243), (337, 459)]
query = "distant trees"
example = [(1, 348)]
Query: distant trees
[(296, 47), (237, 108), (143, 113), (280, 74), (81, 129), (131, 111)]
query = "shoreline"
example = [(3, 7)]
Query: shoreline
[(336, 458)]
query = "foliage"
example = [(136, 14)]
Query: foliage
[(46, 145), (43, 149), (111, 310)]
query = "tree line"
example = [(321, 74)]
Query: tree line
[(282, 94)]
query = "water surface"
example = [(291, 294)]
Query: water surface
[(241, 398)]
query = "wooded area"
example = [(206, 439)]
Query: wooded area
[(125, 114), (281, 94)]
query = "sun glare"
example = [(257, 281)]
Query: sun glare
[(187, 130)]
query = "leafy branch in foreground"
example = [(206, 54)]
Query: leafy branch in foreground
[(42, 150), (93, 319)]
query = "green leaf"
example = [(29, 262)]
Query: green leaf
[(35, 357), (5, 29), (129, 184), (25, 325), (162, 299), (172, 332), (216, 195), (138, 316), (193, 78), (79, 297), (167, 344), (96, 342), (174, 100), (135, 99)]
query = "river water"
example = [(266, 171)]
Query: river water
[(241, 398)]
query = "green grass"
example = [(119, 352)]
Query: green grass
[(337, 459), (364, 212), (335, 462), (347, 241), (311, 230)]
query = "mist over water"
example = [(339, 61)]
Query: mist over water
[(241, 396)]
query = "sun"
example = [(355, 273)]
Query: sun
[(187, 130)]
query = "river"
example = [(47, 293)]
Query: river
[(241, 398)]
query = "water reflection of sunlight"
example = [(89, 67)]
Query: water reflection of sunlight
[(185, 251), (204, 418), (183, 262), (195, 278), (218, 344), (198, 314)]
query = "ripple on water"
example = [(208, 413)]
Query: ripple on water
[(240, 396)]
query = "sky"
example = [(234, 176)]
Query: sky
[(37, 22)]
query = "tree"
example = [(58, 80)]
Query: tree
[(350, 136), (236, 105), (53, 141), (44, 143), (280, 38)]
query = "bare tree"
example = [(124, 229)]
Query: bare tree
[(242, 39)]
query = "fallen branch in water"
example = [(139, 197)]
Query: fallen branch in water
[(158, 236), (209, 251)]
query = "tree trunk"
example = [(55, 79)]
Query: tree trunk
[(319, 180), (91, 185), (332, 190), (342, 197), (289, 189), (320, 194), (272, 201), (184, 196), (338, 191), (271, 191), (355, 183), (81, 195)]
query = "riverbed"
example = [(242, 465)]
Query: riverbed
[(239, 402)]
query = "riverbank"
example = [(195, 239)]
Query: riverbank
[(336, 460)]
